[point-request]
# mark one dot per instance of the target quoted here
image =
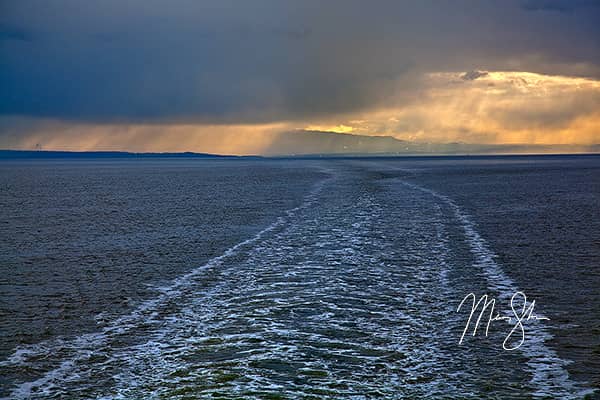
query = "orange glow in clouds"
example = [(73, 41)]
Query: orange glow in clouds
[(495, 108), (478, 108)]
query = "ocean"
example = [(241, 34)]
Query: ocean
[(299, 278)]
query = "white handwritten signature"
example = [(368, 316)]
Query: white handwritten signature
[(520, 314)]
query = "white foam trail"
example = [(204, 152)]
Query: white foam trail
[(85, 345), (549, 374)]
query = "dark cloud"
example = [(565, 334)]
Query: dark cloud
[(220, 61), (473, 74), (559, 5), (10, 33)]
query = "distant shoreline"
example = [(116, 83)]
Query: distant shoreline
[(51, 154)]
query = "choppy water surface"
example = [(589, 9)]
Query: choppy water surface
[(296, 279)]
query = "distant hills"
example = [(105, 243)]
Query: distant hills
[(332, 143), (15, 154), (318, 143)]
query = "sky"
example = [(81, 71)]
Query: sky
[(230, 76)]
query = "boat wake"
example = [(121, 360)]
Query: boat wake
[(344, 296)]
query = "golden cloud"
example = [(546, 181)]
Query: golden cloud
[(492, 108), (478, 107)]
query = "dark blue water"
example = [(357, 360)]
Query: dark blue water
[(296, 278)]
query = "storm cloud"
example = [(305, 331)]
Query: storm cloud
[(230, 62)]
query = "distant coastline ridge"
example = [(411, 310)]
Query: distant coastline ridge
[(15, 154)]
